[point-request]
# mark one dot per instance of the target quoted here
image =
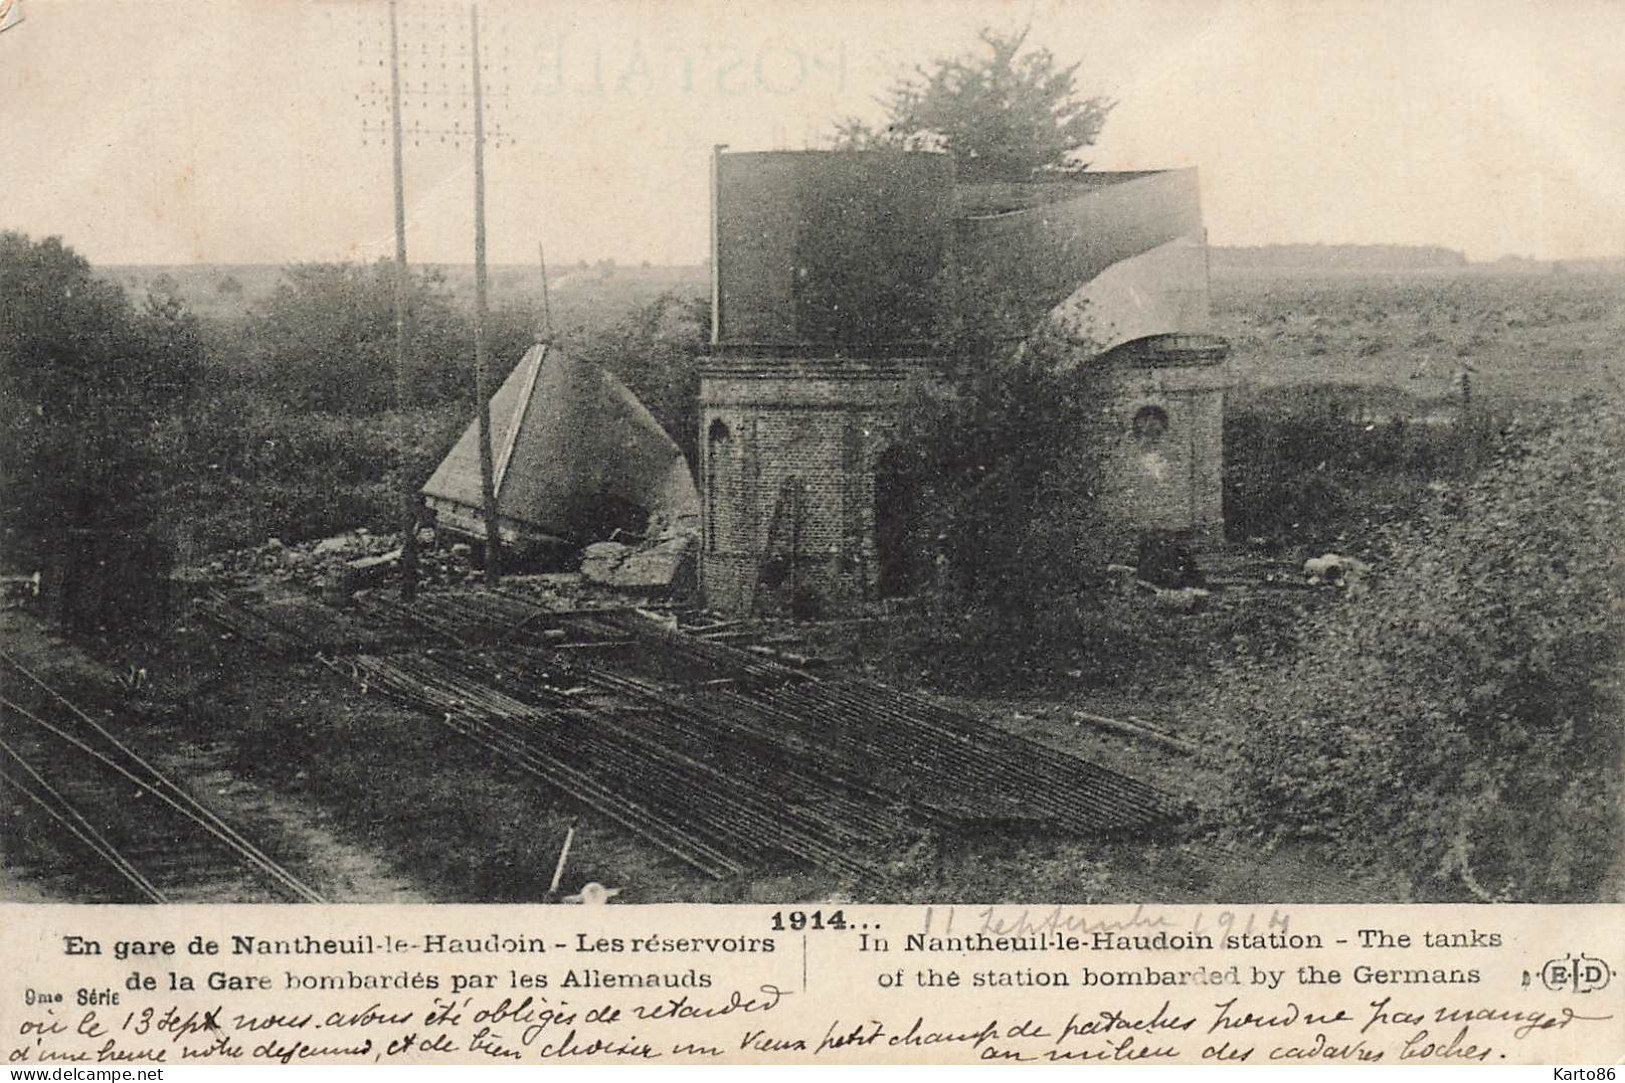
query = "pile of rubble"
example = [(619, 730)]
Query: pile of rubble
[(664, 567), (663, 563), (357, 558)]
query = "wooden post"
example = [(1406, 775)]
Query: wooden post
[(547, 307), (493, 537), (1468, 426), (409, 502)]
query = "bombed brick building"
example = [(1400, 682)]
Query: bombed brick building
[(832, 273)]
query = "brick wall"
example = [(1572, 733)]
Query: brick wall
[(807, 435), (800, 438), (1171, 479)]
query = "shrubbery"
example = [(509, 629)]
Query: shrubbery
[(1462, 721), (90, 388), (138, 426), (325, 340), (999, 474), (1305, 465), (324, 347), (259, 471), (988, 503)]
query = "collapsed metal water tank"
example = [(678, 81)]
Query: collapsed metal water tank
[(835, 251)]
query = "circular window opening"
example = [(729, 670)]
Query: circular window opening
[(1150, 425)]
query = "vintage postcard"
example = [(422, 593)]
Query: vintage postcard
[(1055, 532)]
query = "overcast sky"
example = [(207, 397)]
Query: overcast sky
[(177, 131)]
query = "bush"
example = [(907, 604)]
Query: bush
[(88, 387), (325, 340), (999, 475), (261, 471), (1462, 722), (989, 500), (1304, 466)]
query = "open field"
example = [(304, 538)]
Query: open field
[(1526, 336), (1522, 338)]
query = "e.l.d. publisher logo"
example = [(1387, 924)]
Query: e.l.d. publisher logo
[(11, 13)]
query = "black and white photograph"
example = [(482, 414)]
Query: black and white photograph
[(826, 453)]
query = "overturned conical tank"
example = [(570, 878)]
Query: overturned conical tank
[(575, 457)]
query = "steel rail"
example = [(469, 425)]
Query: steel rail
[(160, 786), (455, 713), (75, 823), (739, 818), (185, 806), (649, 735), (715, 803)]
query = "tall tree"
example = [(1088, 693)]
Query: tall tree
[(989, 491), (324, 340), (88, 389), (1006, 112)]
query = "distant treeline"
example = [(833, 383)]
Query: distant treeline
[(1336, 257), (231, 290)]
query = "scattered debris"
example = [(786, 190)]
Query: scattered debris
[(1175, 599), (665, 566), (600, 560), (339, 543), (373, 558), (1182, 600), (372, 570), (1139, 731), (1334, 569), (593, 894), (20, 589)]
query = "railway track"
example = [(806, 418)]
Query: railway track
[(92, 814), (726, 760)]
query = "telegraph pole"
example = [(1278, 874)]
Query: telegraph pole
[(402, 94), (493, 538), (716, 245), (409, 516)]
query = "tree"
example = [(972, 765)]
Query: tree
[(989, 491), (1004, 113), (91, 388), (325, 340)]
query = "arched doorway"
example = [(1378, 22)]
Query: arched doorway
[(905, 546), (719, 466)]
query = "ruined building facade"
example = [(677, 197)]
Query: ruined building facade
[(831, 273), (788, 474)]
